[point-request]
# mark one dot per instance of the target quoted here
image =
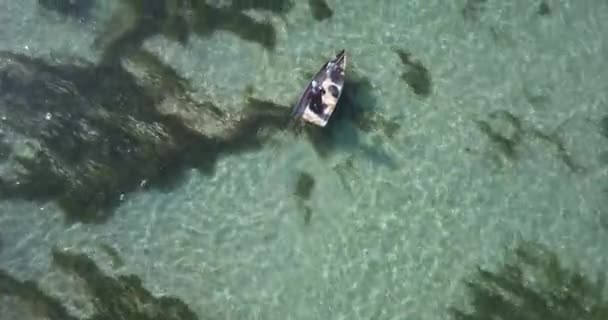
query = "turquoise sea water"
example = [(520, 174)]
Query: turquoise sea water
[(397, 221)]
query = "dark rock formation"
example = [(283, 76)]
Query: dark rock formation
[(112, 298), (304, 187), (276, 6), (534, 284), (544, 9), (78, 9), (180, 19), (604, 126), (26, 301), (417, 76), (86, 135), (505, 131), (472, 9), (320, 9), (123, 297), (509, 134)]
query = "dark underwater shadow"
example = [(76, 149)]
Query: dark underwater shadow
[(180, 20), (86, 136), (110, 298), (356, 107), (80, 10), (534, 284)]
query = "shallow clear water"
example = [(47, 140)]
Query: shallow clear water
[(397, 222)]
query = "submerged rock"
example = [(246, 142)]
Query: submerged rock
[(85, 135), (604, 126), (543, 9), (416, 75), (304, 185), (79, 9), (534, 284), (25, 300), (122, 297), (178, 20), (277, 6), (511, 138), (505, 131), (472, 9), (320, 9)]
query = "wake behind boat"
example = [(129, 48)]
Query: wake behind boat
[(321, 96)]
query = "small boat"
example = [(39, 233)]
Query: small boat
[(321, 96)]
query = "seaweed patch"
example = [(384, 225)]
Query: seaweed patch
[(473, 9), (87, 135), (543, 9), (179, 20), (533, 284), (123, 297), (346, 172), (320, 9), (304, 187), (78, 9), (604, 126), (417, 76), (115, 258), (28, 298), (507, 132)]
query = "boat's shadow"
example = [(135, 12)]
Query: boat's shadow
[(343, 132)]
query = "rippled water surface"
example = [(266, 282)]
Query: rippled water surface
[(145, 139)]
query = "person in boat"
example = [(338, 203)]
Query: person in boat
[(316, 98)]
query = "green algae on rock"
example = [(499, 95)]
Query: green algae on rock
[(25, 300), (115, 258), (534, 284), (276, 6), (179, 19), (121, 297), (86, 135), (417, 76), (604, 126), (79, 9), (504, 130), (508, 134), (544, 9), (320, 9), (304, 187), (472, 9)]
